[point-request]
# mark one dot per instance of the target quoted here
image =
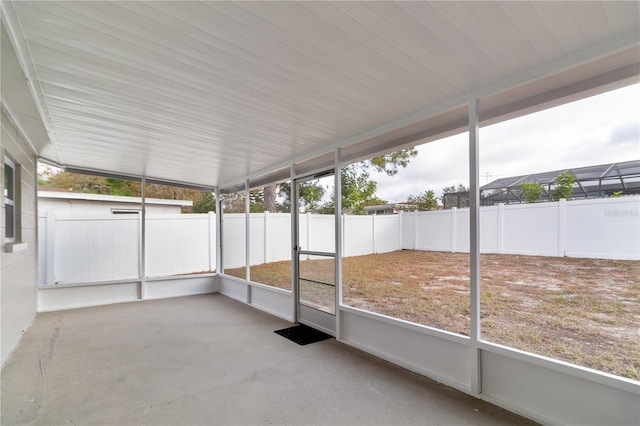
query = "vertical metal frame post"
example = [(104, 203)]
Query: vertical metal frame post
[(219, 231), (294, 244), (474, 246), (338, 241), (143, 238), (247, 239)]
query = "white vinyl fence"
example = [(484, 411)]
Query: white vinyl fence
[(75, 249), (90, 248), (595, 228)]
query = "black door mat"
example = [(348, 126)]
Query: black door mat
[(302, 334)]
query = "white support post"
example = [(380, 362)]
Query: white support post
[(339, 242), (50, 249), (247, 239), (143, 242), (474, 247), (219, 231), (293, 194)]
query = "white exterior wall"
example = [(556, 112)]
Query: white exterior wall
[(18, 269)]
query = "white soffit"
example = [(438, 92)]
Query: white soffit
[(212, 93), (17, 99)]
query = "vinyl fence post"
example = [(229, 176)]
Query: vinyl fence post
[(562, 227), (454, 230), (415, 230), (400, 218), (373, 234), (500, 228), (50, 248)]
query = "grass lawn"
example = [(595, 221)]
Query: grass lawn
[(584, 311)]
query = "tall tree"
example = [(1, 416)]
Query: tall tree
[(358, 189), (206, 203), (310, 193), (425, 201), (75, 182), (269, 198), (391, 163)]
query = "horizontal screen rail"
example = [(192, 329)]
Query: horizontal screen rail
[(316, 281), (316, 253)]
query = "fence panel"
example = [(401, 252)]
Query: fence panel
[(608, 228), (387, 233), (433, 230), (278, 244), (257, 224), (490, 229), (408, 226), (75, 249), (178, 244), (97, 248), (233, 240), (321, 233), (531, 229), (461, 233), (358, 235)]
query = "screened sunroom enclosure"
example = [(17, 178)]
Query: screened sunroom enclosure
[(231, 98)]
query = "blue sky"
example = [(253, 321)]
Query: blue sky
[(600, 129)]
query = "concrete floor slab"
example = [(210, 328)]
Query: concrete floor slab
[(210, 360)]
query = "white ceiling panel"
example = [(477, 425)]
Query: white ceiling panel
[(212, 93)]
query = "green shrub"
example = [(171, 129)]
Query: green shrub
[(563, 186), (531, 191)]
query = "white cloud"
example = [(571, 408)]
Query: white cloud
[(595, 130)]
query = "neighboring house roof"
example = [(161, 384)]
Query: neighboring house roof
[(406, 206), (110, 198)]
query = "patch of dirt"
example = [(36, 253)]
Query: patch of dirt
[(583, 311)]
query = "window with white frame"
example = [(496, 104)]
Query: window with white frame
[(9, 199)]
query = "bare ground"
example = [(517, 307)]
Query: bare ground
[(584, 311)]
